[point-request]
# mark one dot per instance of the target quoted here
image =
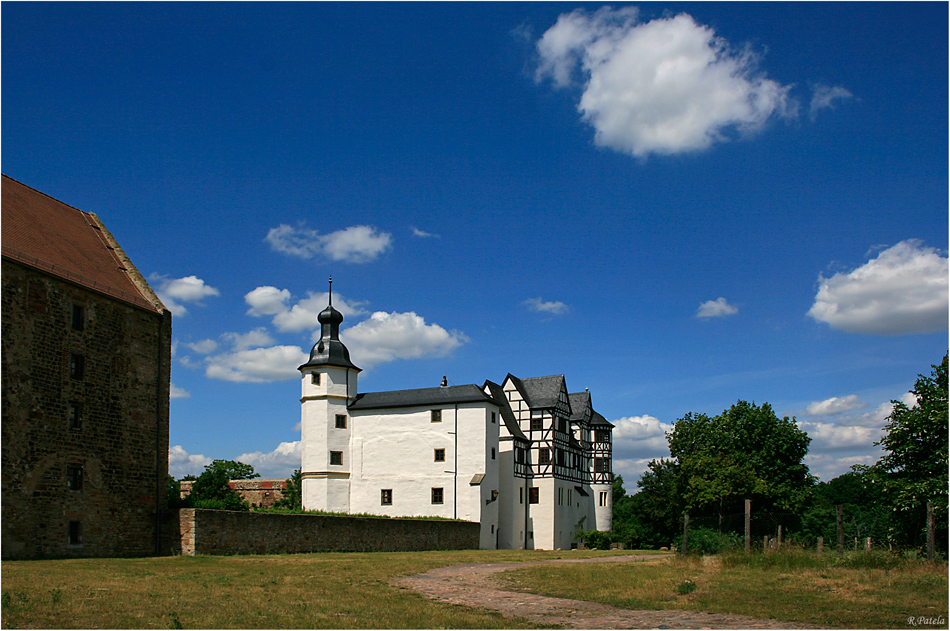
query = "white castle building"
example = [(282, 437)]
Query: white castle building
[(528, 461)]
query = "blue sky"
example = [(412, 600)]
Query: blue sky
[(675, 205)]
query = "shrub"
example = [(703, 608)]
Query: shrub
[(710, 541)]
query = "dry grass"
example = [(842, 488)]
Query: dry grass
[(824, 592), (306, 591)]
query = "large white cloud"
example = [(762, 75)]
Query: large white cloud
[(639, 437), (356, 244), (903, 290), (279, 464), (385, 337), (665, 86), (267, 300), (175, 291), (835, 405), (257, 365), (182, 463)]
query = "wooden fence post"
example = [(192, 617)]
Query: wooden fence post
[(685, 533), (748, 525), (821, 544), (778, 545), (867, 544)]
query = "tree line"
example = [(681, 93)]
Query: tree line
[(749, 453)]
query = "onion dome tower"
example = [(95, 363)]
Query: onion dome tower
[(328, 386)]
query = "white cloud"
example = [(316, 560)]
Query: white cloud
[(203, 347), (903, 290), (252, 339), (835, 405), (174, 392), (389, 336), (181, 463), (834, 436), (666, 86), (175, 291), (356, 244), (277, 464), (423, 234), (717, 308), (258, 365), (824, 97), (267, 300), (553, 307), (641, 437), (303, 315)]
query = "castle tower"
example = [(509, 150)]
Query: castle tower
[(328, 386)]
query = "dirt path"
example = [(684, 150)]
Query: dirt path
[(475, 585)]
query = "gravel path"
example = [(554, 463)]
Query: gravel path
[(475, 585)]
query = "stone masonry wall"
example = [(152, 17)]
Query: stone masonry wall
[(120, 447), (257, 492), (232, 532)]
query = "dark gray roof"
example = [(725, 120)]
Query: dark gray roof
[(445, 395), (507, 415), (580, 401), (329, 350), (541, 392), (597, 419)]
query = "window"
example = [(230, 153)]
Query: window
[(560, 496), (75, 415), (562, 425), (544, 456), (602, 436), (603, 498), (336, 457), (75, 533), (79, 318), (494, 417), (386, 497), (436, 495), (436, 416), (519, 455), (537, 424), (440, 455), (601, 465), (74, 477), (341, 421), (521, 495), (492, 453), (315, 378), (77, 365), (570, 495), (534, 495)]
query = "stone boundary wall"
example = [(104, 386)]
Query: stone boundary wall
[(256, 492), (234, 532)]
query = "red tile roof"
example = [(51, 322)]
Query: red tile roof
[(47, 234)]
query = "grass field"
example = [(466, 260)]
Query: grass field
[(301, 591), (352, 591), (852, 591)]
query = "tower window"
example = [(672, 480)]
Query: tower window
[(336, 457), (544, 456), (602, 436), (436, 495), (603, 498), (315, 378), (341, 421), (386, 497), (440, 455), (75, 415), (494, 417), (79, 318), (492, 453), (436, 416), (75, 533), (77, 365), (74, 477), (534, 495)]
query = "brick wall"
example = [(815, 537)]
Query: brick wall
[(121, 445), (232, 532), (257, 492)]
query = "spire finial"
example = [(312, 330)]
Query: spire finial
[(331, 291)]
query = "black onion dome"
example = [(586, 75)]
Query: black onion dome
[(329, 350)]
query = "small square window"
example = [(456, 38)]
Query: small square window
[(341, 421), (437, 495), (315, 378), (386, 497), (75, 533), (534, 495), (74, 477), (79, 318), (75, 415), (440, 455), (77, 365), (336, 457), (537, 424), (436, 416)]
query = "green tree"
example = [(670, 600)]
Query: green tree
[(291, 497), (747, 452), (915, 463), (211, 489)]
